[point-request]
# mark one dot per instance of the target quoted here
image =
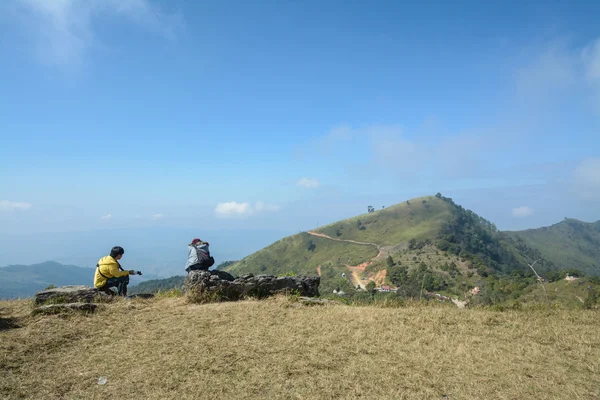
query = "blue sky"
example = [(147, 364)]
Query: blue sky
[(283, 115)]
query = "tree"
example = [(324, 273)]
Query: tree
[(370, 209), (592, 298), (390, 261), (438, 195), (371, 286), (399, 275), (412, 244), (311, 246)]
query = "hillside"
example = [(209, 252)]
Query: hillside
[(272, 349), (305, 254), (418, 219), (431, 233), (568, 244), (25, 280)]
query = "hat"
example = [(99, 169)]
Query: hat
[(196, 241)]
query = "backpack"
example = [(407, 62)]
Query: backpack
[(208, 260)]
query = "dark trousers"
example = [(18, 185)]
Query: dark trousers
[(197, 266), (120, 283)]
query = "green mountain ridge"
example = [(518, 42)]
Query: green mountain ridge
[(568, 244), (431, 240)]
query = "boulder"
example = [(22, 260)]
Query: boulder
[(65, 307), (69, 294), (210, 286)]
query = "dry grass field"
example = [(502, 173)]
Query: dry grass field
[(276, 349)]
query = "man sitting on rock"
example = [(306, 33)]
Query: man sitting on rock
[(110, 274), (198, 256)]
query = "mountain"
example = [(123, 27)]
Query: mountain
[(568, 244), (427, 244), (25, 280), (431, 234)]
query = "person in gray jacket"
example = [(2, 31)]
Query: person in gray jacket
[(198, 256)]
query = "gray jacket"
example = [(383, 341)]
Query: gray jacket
[(197, 254)]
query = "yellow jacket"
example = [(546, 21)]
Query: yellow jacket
[(109, 267)]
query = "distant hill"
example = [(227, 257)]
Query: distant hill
[(568, 244), (25, 280), (157, 285)]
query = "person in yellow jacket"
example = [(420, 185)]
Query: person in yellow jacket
[(110, 274)]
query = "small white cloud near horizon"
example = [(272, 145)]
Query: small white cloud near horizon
[(106, 217), (522, 212), (157, 216), (7, 205), (308, 183), (245, 209)]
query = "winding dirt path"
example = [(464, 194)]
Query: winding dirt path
[(357, 271)]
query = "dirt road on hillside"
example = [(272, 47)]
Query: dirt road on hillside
[(357, 271)]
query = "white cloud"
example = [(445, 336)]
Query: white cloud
[(587, 178), (551, 71), (388, 150), (14, 205), (308, 183), (235, 209), (106, 217), (522, 212), (558, 70), (157, 216), (63, 30)]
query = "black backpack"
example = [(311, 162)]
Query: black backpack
[(209, 261)]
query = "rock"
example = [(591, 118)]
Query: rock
[(209, 286), (223, 275), (65, 307), (69, 294)]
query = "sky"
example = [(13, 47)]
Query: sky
[(281, 116)]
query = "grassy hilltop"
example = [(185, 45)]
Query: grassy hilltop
[(167, 349)]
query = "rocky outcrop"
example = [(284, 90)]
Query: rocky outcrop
[(69, 294), (219, 285)]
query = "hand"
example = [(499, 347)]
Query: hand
[(131, 272)]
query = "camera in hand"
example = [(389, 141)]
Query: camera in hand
[(138, 272)]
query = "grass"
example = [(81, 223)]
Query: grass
[(292, 254), (571, 294), (396, 224), (166, 349)]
